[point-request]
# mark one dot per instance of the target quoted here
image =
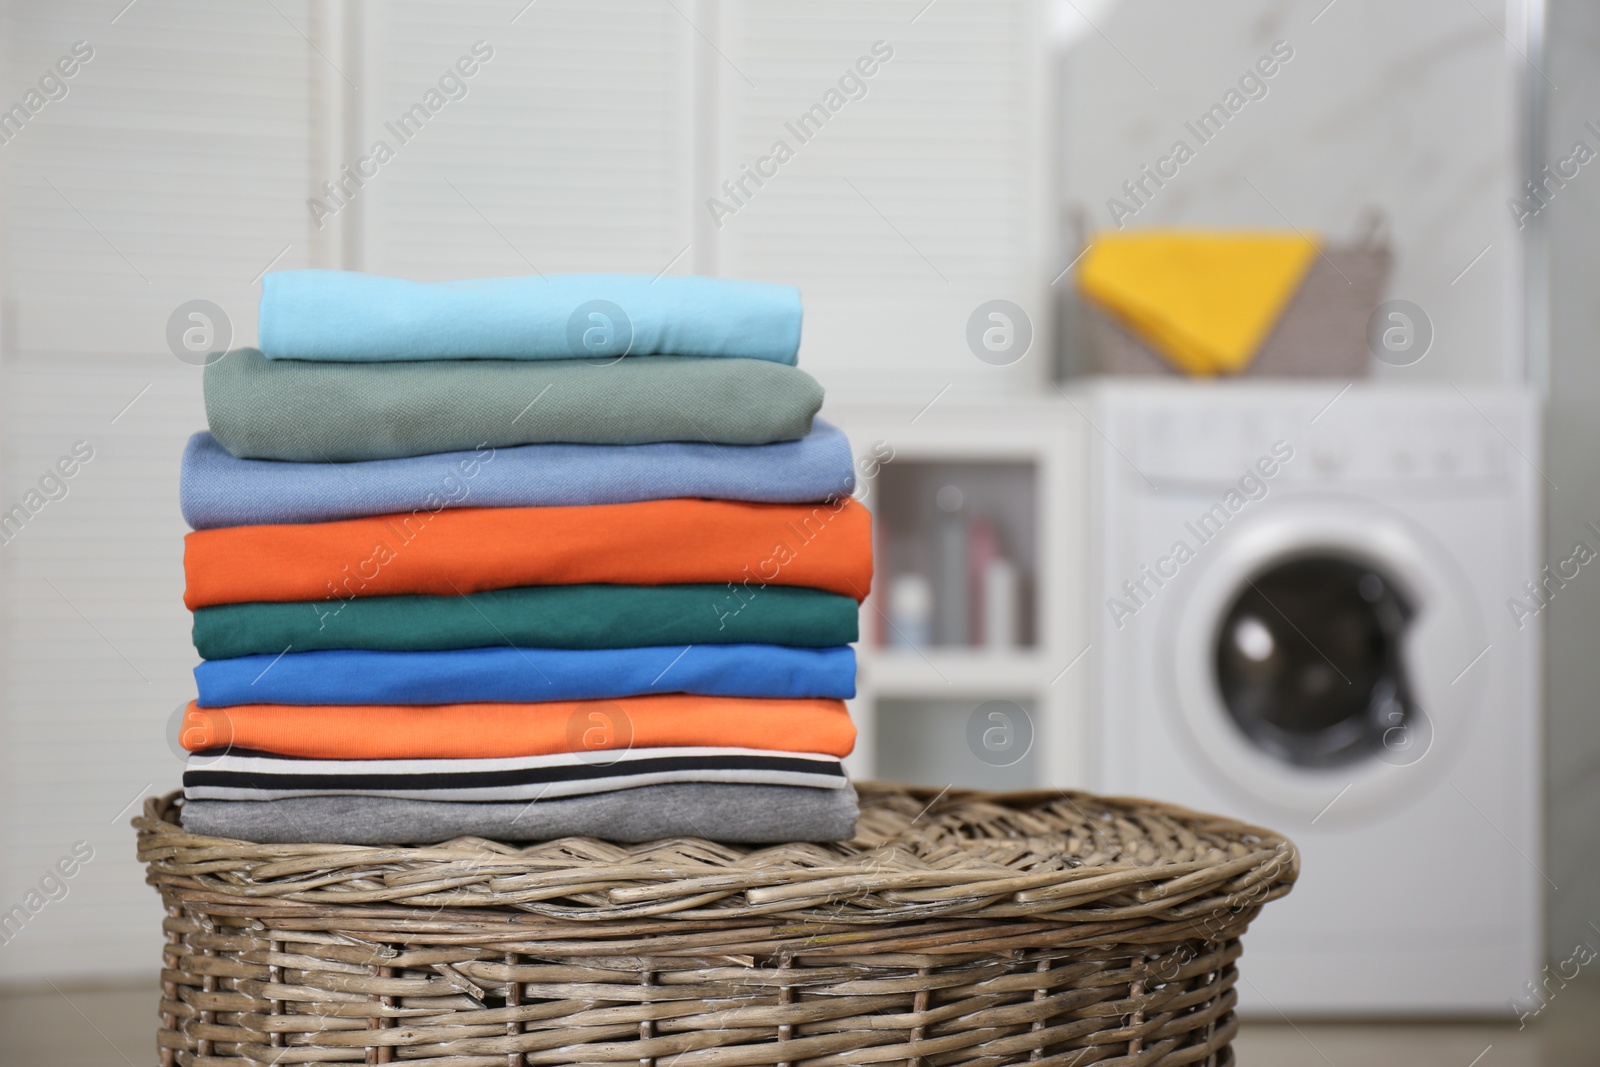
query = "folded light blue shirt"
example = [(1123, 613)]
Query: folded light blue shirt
[(346, 316), (518, 675), (219, 489)]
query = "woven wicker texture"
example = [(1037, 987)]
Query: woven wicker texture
[(957, 928)]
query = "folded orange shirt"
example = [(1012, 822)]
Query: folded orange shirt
[(467, 550), (486, 731)]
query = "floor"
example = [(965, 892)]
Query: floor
[(77, 1027), (1566, 1033)]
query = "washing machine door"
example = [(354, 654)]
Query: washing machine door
[(1318, 655)]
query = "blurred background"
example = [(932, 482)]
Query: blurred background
[(953, 182)]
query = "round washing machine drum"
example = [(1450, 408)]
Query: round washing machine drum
[(1310, 660), (1317, 652)]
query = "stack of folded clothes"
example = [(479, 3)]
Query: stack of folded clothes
[(521, 558)]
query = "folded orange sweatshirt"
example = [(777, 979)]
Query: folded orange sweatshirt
[(656, 542), (485, 731)]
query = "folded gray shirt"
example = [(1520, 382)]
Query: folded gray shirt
[(736, 814)]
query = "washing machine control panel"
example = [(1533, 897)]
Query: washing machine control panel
[(1185, 443)]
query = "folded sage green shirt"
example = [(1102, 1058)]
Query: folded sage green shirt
[(311, 412), (553, 616)]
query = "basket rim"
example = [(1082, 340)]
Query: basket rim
[(920, 853)]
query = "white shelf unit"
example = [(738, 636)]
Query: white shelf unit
[(936, 688), (935, 672)]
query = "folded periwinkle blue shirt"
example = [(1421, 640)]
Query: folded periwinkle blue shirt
[(219, 489), (518, 675), (347, 316)]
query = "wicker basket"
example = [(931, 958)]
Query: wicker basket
[(1322, 332), (958, 928)]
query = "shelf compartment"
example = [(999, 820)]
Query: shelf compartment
[(974, 743)]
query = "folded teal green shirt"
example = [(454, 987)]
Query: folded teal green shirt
[(352, 317), (542, 616), (338, 412)]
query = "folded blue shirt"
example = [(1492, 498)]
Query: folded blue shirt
[(218, 489), (346, 316), (518, 675)]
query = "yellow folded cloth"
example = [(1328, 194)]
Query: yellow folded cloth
[(1204, 301)]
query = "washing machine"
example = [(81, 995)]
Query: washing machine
[(1315, 607)]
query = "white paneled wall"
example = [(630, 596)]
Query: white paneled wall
[(570, 150), (174, 168), (919, 198), (582, 145), (179, 164)]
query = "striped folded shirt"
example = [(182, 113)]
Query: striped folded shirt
[(245, 775)]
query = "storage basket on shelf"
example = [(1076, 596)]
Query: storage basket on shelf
[(957, 928), (1321, 332)]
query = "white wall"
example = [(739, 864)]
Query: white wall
[(173, 168), (1410, 106), (1572, 443)]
